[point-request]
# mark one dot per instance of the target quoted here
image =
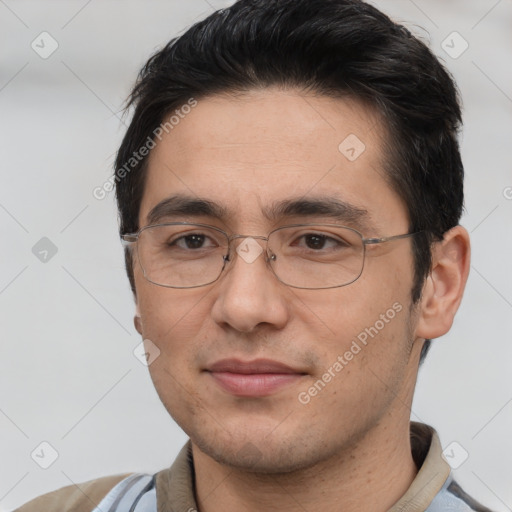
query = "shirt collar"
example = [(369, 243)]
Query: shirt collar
[(175, 487), (433, 470)]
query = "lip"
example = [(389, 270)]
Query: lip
[(257, 378)]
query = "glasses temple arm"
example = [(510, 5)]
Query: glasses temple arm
[(372, 241)]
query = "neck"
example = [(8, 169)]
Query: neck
[(371, 475)]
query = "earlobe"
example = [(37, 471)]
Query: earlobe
[(137, 321), (137, 324), (444, 287)]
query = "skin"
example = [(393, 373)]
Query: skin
[(348, 448)]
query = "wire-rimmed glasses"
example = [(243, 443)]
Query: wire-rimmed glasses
[(309, 256)]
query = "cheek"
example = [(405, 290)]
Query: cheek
[(174, 325), (365, 369), (172, 320), (163, 310), (367, 339), (358, 311)]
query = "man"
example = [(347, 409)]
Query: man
[(289, 192)]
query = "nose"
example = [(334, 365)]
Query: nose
[(248, 293)]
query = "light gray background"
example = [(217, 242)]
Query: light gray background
[(68, 375)]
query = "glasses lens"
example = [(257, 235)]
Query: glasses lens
[(316, 256), (182, 255), (305, 256)]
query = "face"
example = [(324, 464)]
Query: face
[(257, 373)]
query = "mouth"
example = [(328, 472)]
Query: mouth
[(257, 378)]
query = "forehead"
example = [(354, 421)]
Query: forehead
[(248, 151)]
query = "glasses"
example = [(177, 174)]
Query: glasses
[(309, 256)]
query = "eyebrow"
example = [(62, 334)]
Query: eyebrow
[(324, 206)]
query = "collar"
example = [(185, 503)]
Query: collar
[(175, 486)]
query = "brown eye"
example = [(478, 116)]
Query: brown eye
[(194, 241)]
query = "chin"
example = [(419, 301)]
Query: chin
[(249, 457), (258, 452)]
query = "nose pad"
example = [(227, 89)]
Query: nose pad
[(268, 255)]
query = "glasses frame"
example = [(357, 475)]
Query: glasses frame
[(128, 240)]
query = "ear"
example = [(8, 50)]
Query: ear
[(444, 287), (136, 319)]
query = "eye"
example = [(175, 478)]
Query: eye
[(322, 241), (193, 241), (315, 241)]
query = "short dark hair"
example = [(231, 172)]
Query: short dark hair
[(331, 47)]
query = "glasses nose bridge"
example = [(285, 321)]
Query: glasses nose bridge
[(234, 237), (231, 238)]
